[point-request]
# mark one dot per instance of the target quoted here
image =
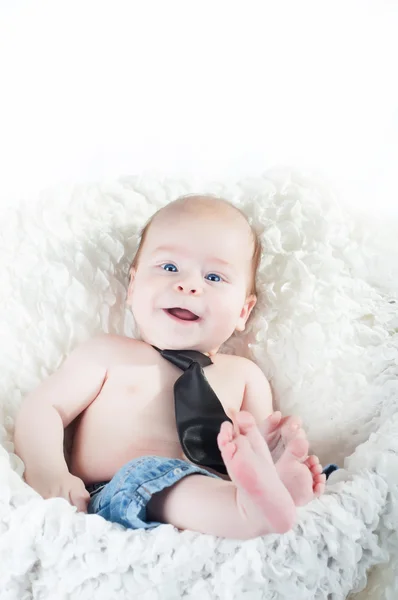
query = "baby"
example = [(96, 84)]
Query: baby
[(192, 285)]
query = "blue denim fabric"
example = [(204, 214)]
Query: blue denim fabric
[(329, 469), (124, 499)]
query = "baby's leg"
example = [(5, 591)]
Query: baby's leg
[(254, 503), (206, 505)]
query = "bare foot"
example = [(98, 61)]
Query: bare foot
[(260, 491), (278, 431), (301, 474)]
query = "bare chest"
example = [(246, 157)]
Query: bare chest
[(134, 414), (144, 395)]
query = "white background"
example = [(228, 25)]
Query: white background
[(98, 89)]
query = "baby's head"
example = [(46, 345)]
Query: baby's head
[(193, 277)]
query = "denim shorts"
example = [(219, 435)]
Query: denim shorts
[(125, 497)]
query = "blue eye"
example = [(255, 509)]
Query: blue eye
[(213, 277), (169, 267)]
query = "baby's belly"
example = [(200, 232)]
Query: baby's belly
[(92, 465), (102, 446)]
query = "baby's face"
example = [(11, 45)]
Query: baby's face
[(190, 289)]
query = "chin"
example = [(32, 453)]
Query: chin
[(178, 340)]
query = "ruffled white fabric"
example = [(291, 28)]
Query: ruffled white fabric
[(324, 332)]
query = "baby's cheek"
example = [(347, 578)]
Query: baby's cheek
[(229, 305), (141, 310), (225, 318)]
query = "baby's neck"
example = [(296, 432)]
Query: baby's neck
[(209, 354)]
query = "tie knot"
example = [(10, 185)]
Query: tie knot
[(183, 359)]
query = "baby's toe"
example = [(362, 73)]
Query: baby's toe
[(291, 424), (319, 489), (226, 434), (226, 442), (312, 460), (245, 421), (289, 428), (319, 484), (300, 434), (316, 469), (228, 451)]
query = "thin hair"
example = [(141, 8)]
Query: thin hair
[(257, 248)]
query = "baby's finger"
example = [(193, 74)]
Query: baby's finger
[(271, 423)]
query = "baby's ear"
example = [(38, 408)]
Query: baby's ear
[(245, 312), (130, 288)]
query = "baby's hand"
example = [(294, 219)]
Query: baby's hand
[(67, 486), (278, 431)]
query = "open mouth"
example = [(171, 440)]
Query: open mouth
[(182, 314)]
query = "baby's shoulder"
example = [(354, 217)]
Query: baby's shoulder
[(110, 348), (110, 340), (242, 368), (237, 364)]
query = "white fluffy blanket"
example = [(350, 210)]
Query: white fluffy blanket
[(325, 334)]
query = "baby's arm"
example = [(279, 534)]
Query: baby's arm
[(257, 398), (275, 429), (47, 410)]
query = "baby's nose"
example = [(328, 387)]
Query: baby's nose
[(193, 289)]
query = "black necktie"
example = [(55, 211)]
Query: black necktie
[(199, 413)]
